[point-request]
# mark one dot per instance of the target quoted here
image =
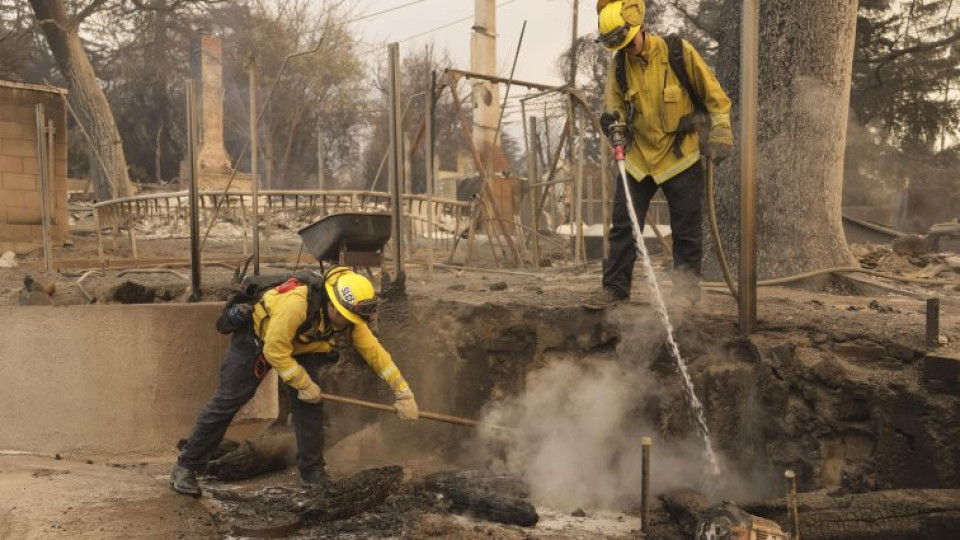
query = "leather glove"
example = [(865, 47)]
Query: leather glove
[(406, 405), (310, 393), (607, 120), (720, 144)]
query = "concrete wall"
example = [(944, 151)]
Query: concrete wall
[(20, 197), (110, 378)]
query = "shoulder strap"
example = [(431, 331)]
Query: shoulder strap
[(621, 72), (679, 67)]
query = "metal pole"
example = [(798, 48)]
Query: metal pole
[(578, 197), (192, 132), (572, 78), (321, 165), (749, 63), (533, 177), (933, 323), (791, 480), (646, 443), (395, 161), (44, 171), (429, 159), (254, 182)]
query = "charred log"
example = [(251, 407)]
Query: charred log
[(478, 493), (271, 450), (355, 495), (929, 514)]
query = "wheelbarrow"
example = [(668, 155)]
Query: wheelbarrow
[(348, 239)]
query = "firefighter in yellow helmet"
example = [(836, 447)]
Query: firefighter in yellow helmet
[(663, 111), (282, 333)]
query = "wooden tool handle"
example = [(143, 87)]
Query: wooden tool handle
[(437, 417)]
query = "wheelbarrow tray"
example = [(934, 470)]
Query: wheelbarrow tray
[(349, 231)]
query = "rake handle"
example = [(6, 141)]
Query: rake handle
[(437, 417)]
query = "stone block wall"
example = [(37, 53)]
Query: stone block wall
[(21, 227)]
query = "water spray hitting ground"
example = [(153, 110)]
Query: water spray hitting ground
[(711, 457)]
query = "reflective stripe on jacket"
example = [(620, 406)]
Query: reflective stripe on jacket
[(287, 311), (659, 103)]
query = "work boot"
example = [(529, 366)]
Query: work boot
[(607, 297), (314, 477), (184, 480)]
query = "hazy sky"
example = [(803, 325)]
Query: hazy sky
[(547, 34)]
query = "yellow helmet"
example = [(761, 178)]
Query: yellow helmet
[(619, 22), (352, 295)]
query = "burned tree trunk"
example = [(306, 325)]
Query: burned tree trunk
[(85, 96), (806, 61)]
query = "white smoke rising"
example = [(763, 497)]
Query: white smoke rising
[(579, 425)]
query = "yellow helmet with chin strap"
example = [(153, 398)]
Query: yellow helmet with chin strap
[(351, 294), (619, 22)]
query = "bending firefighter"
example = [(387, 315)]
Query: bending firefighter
[(671, 105), (292, 328)]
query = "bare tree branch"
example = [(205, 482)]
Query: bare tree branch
[(893, 55), (86, 12)]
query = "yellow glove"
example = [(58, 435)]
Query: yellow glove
[(720, 144), (310, 393), (406, 405)]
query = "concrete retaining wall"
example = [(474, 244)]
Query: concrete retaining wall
[(110, 378)]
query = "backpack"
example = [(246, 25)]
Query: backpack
[(691, 123), (237, 314)]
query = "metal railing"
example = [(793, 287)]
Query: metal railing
[(451, 218)]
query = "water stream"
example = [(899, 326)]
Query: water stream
[(710, 456)]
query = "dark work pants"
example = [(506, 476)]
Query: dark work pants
[(238, 383), (684, 194)]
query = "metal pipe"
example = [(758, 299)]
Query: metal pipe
[(254, 182), (395, 160), (192, 132), (429, 162), (646, 443), (933, 323), (791, 480), (44, 173), (749, 63), (533, 193)]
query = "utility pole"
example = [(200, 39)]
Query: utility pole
[(572, 78), (486, 95)]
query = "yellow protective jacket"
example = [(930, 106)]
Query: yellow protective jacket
[(659, 103), (284, 314)]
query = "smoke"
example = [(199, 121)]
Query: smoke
[(579, 425)]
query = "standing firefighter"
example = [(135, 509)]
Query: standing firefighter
[(664, 93), (293, 329)]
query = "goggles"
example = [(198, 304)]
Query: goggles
[(365, 309), (615, 37)]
